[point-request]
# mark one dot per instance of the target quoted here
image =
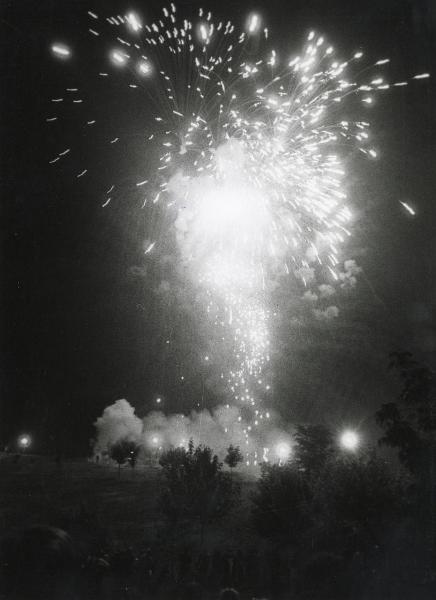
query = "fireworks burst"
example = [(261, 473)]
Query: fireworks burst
[(251, 163)]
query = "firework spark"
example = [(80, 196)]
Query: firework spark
[(409, 209), (252, 153), (61, 50)]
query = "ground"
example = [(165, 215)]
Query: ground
[(91, 502)]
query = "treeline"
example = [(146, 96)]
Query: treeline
[(327, 522), (332, 522)]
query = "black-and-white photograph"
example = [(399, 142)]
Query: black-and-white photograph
[(218, 295)]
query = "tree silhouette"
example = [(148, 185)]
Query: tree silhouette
[(195, 488), (123, 451), (314, 446), (355, 500), (280, 503), (133, 455), (410, 424), (319, 522), (233, 457)]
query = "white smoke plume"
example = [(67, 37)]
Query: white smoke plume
[(218, 428), (118, 421)]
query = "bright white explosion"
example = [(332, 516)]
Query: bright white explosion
[(251, 160)]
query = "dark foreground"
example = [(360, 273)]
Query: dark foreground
[(121, 546), (90, 535)]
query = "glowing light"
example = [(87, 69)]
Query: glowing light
[(158, 400), (253, 23), (283, 451), (61, 50), (144, 68), (24, 441), (203, 32), (118, 58), (134, 22), (349, 440), (225, 212)]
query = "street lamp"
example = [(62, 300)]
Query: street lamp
[(24, 442), (349, 440)]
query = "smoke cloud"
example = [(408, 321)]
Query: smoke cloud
[(349, 276), (217, 429), (118, 421), (310, 296), (326, 290), (331, 312)]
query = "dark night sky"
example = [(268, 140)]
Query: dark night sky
[(81, 328)]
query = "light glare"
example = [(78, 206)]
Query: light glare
[(118, 58), (24, 441), (134, 22), (349, 440), (144, 68), (283, 451)]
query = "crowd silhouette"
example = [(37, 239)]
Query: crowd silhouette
[(44, 563)]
